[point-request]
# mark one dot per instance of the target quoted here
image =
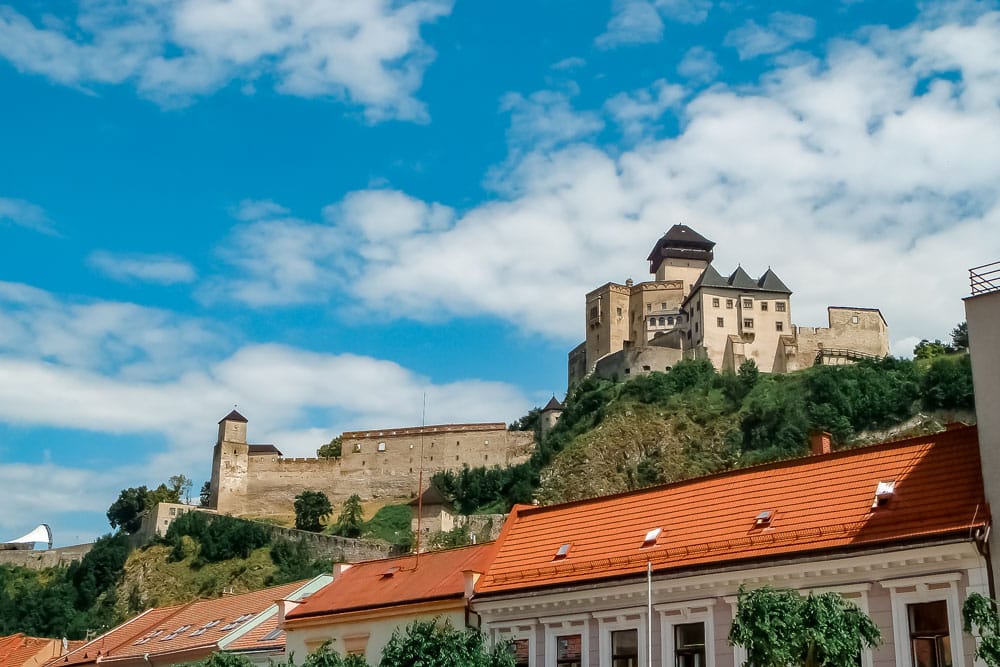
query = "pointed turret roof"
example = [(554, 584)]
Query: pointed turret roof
[(710, 278), (772, 283), (680, 242), (742, 279), (553, 404), (233, 417)]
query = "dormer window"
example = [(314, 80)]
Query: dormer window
[(651, 537), (763, 519), (562, 552), (883, 493)]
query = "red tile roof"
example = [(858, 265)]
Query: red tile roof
[(818, 503), (17, 650), (157, 625), (435, 575)]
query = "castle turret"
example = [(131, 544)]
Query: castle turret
[(549, 416), (681, 254), (229, 464)]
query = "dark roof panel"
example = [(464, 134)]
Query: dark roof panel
[(263, 449), (741, 279), (772, 283), (553, 404), (680, 242), (233, 417)]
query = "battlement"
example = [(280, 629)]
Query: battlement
[(424, 430)]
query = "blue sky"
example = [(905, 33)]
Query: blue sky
[(321, 211)]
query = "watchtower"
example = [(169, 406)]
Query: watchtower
[(229, 464)]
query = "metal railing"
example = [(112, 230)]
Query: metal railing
[(985, 278)]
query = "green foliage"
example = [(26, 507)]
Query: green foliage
[(350, 521), (437, 644), (224, 659), (205, 497), (181, 486), (449, 539), (332, 449), (947, 384), (311, 508), (294, 561), (960, 336), (324, 656), (926, 349), (126, 512), (220, 538), (529, 422), (779, 628), (979, 614), (390, 523)]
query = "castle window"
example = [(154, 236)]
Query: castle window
[(432, 458), (763, 305), (663, 306), (619, 312), (748, 323), (362, 463), (381, 446), (779, 306), (662, 321), (593, 312), (652, 321), (748, 303), (670, 320), (649, 307), (729, 304), (720, 322), (456, 457), (854, 319), (696, 327), (173, 511), (486, 457), (779, 326), (715, 302)]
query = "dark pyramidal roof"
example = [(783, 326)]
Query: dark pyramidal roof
[(233, 417), (739, 279), (680, 242), (553, 404)]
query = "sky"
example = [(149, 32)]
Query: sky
[(327, 212)]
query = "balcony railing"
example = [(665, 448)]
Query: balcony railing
[(985, 278)]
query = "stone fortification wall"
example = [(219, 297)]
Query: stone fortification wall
[(39, 560), (374, 464), (632, 362), (861, 330)]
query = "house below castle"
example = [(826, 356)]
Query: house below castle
[(691, 311)]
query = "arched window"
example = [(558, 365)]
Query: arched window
[(652, 321), (662, 321)]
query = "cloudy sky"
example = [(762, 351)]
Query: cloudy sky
[(323, 210)]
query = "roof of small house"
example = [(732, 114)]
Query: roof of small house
[(178, 628), (429, 577), (18, 649), (263, 449), (816, 504), (553, 404)]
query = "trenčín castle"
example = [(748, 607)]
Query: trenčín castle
[(255, 479), (691, 311)]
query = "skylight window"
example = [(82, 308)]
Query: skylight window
[(151, 635), (883, 493), (763, 519), (563, 552), (651, 537), (202, 629), (273, 634), (390, 572), (176, 632), (241, 619)]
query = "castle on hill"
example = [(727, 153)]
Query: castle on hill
[(257, 480), (692, 311)]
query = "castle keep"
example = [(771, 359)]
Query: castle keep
[(256, 480), (691, 311)]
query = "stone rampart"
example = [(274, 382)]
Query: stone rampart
[(40, 560)]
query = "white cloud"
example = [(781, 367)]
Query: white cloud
[(641, 21), (159, 269), (249, 210), (699, 65), (572, 62), (635, 111), (369, 54), (25, 214), (866, 178), (782, 31), (546, 119)]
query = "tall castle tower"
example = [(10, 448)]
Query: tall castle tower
[(229, 464)]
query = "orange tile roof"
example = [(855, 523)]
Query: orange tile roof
[(121, 643), (17, 650), (818, 503), (435, 575)]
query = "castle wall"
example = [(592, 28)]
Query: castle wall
[(42, 559), (374, 464), (630, 363), (859, 329)]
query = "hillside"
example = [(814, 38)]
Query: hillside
[(690, 421)]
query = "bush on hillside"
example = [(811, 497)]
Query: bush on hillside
[(220, 538)]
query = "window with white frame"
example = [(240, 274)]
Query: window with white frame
[(623, 639), (521, 639), (687, 633), (625, 648), (926, 621), (566, 641)]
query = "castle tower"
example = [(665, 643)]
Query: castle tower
[(549, 416), (681, 254), (229, 464)]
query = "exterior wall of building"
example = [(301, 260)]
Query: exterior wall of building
[(733, 326), (368, 633), (607, 312), (857, 329), (42, 559), (654, 307), (633, 362), (982, 313), (158, 520), (374, 464), (882, 584), (686, 271)]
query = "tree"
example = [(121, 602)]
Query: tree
[(162, 494), (351, 519), (960, 335), (925, 349), (225, 659), (311, 507), (980, 612), (436, 644), (181, 486), (332, 449), (127, 511), (205, 497), (779, 627), (324, 656)]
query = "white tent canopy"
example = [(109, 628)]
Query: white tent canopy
[(40, 534)]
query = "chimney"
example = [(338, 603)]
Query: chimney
[(339, 569), (471, 579), (819, 443), (285, 606)]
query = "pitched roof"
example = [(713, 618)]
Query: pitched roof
[(176, 628), (680, 242), (553, 404), (741, 279), (17, 650), (233, 417), (772, 283), (435, 575), (819, 503), (263, 449), (710, 278)]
